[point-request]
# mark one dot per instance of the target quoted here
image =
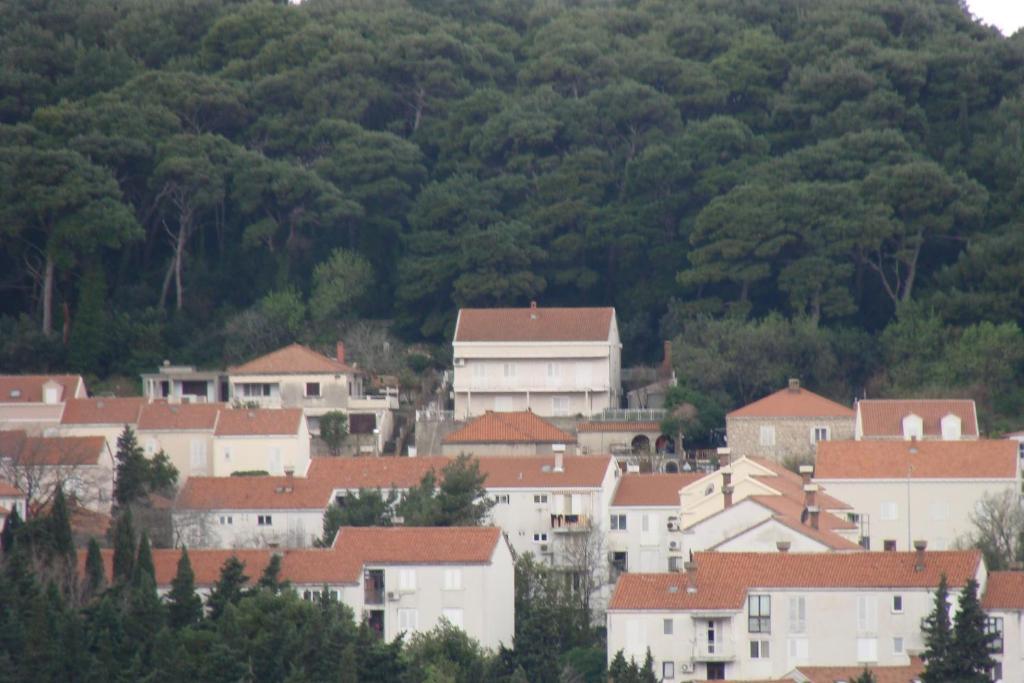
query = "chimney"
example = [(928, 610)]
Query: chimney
[(919, 547), (783, 546), (806, 471), (794, 385), (533, 310), (727, 490), (339, 352), (813, 513), (666, 359), (810, 495), (691, 576), (289, 472), (559, 449)]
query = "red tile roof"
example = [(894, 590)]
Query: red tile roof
[(373, 473), (793, 403), (295, 359), (538, 471), (259, 422), (884, 417), (11, 442), (63, 450), (789, 512), (986, 459), (643, 490), (418, 545), (584, 427), (29, 388), (723, 579), (9, 490), (1004, 590), (534, 324), (163, 416), (791, 485), (511, 427), (254, 493), (102, 411), (882, 674)]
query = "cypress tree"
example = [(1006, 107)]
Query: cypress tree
[(229, 587), (95, 573), (865, 677), (11, 526), (124, 548), (971, 651), (938, 639), (143, 571), (132, 469), (270, 579), (58, 524), (184, 607)]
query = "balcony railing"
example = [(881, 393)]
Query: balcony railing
[(570, 523), (629, 415), (373, 596), (721, 649)]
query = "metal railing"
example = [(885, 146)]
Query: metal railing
[(629, 415)]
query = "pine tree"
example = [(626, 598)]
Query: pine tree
[(143, 572), (132, 469), (971, 650), (184, 607), (11, 526), (58, 524), (618, 669), (229, 587), (646, 673), (938, 639), (95, 574), (124, 548), (865, 677), (270, 579)]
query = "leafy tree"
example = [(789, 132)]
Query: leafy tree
[(184, 607), (938, 654), (367, 507), (419, 506), (137, 477), (89, 341), (334, 430), (339, 285), (971, 649), (462, 498)]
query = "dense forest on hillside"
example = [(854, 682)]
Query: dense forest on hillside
[(827, 188)]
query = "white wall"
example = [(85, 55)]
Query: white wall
[(241, 528)]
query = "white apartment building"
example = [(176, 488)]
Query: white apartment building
[(758, 616), (557, 362), (36, 465), (905, 490), (185, 384), (1003, 602), (916, 418)]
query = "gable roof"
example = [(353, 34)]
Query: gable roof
[(1004, 590), (509, 427), (882, 674), (254, 493), (102, 411), (374, 473), (723, 579), (985, 459), (884, 417), (294, 359), (259, 422), (579, 471), (62, 450), (798, 402), (29, 388), (791, 485), (651, 490), (592, 426), (790, 513), (418, 545), (534, 324), (164, 416)]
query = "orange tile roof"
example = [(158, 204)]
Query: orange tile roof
[(9, 490), (29, 388), (793, 403), (294, 359), (102, 411), (584, 427), (986, 459), (418, 545), (538, 471), (884, 417), (1004, 590), (882, 674), (163, 416), (643, 490), (259, 422), (789, 512), (11, 442), (723, 579), (791, 485), (534, 324), (62, 450), (373, 473), (254, 493), (511, 427)]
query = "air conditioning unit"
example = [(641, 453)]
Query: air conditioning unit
[(673, 525), (673, 545), (686, 667), (393, 596), (460, 362), (544, 547)]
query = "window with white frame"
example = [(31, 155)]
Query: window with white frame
[(540, 498), (501, 498), (453, 579), (227, 520), (759, 649), (897, 604), (799, 649), (560, 405), (820, 434), (797, 614), (264, 520), (889, 511), (618, 523), (479, 371), (254, 390), (540, 537), (554, 371), (938, 511), (767, 435), (150, 446), (668, 671), (408, 619), (867, 613), (867, 650), (759, 613), (897, 645), (667, 626), (197, 454), (453, 615), (994, 627), (407, 579), (509, 369)]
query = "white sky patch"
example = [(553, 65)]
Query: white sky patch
[(1006, 15)]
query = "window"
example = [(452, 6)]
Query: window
[(897, 645), (453, 615), (759, 649), (453, 579), (197, 454), (509, 369), (501, 498), (759, 613), (226, 520), (150, 447), (540, 538), (994, 626), (889, 545), (667, 627), (767, 435), (554, 370), (716, 671), (668, 671), (798, 614), (867, 649), (867, 613), (407, 619), (645, 522), (996, 672), (559, 405), (819, 434), (675, 564), (897, 604), (540, 498), (253, 390), (479, 371), (798, 649), (407, 579), (889, 511), (618, 522), (619, 561), (264, 520), (313, 389)]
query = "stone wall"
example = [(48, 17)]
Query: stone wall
[(793, 436)]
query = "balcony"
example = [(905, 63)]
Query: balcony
[(387, 401), (629, 415), (567, 524), (721, 649)]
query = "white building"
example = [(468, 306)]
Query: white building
[(756, 616), (183, 431), (35, 402), (900, 491), (185, 384), (267, 440), (556, 362), (36, 465), (1004, 604), (102, 416), (921, 419)]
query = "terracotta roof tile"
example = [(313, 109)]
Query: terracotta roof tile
[(723, 579), (791, 485), (9, 490), (259, 422), (11, 442), (418, 545), (882, 674), (789, 512), (793, 403), (642, 490), (373, 473), (29, 388), (884, 417), (534, 324), (511, 427), (163, 416), (538, 471), (986, 459), (254, 493), (63, 450), (584, 427), (1004, 590), (293, 359), (102, 411)]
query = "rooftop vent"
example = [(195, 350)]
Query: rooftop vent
[(15, 393), (794, 385)]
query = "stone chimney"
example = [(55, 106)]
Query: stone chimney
[(806, 471), (810, 495), (339, 353), (783, 546), (919, 548), (727, 490), (794, 385), (559, 449), (813, 513), (691, 576)]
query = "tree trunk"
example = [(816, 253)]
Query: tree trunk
[(48, 296), (178, 252)]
